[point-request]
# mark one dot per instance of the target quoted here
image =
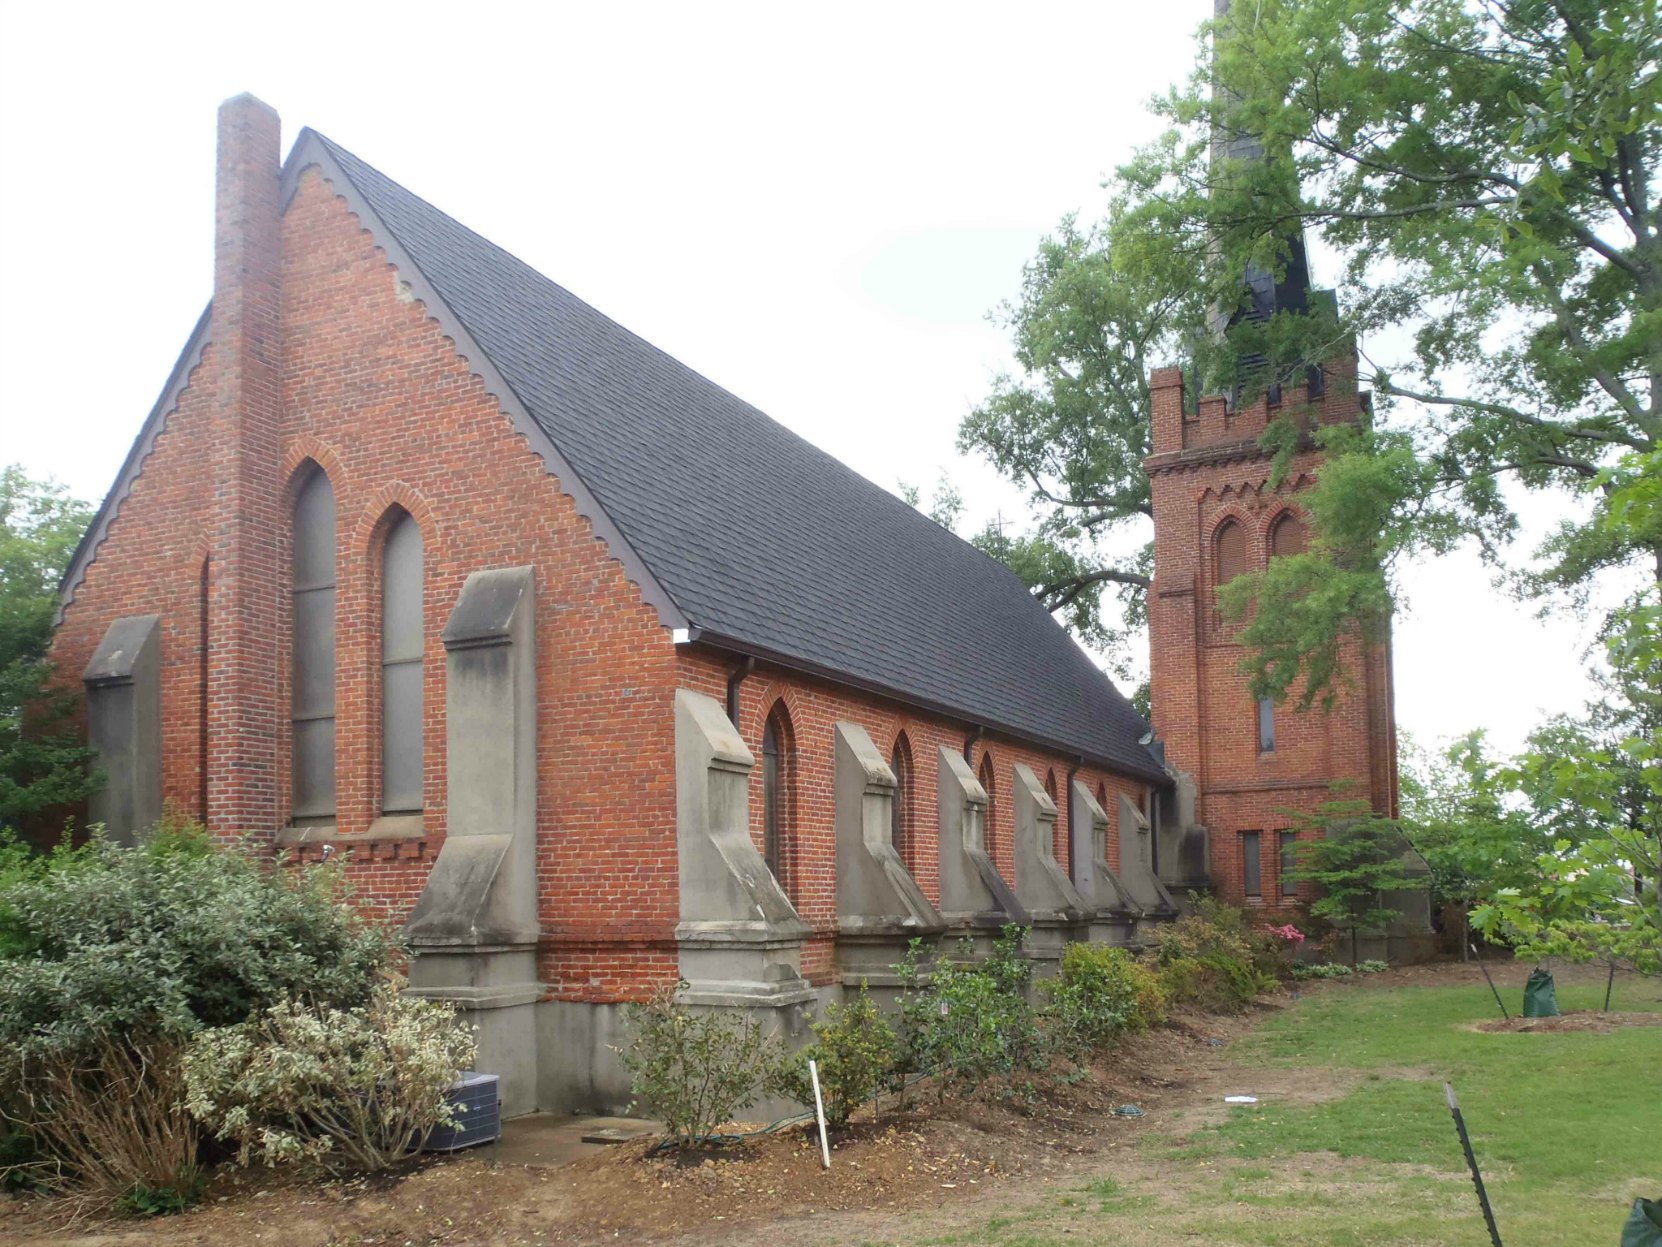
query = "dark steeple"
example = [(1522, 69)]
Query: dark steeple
[(1265, 295)]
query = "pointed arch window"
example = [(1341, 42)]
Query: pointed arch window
[(1231, 547), (313, 620), (403, 638), (900, 813), (777, 781), (989, 833), (1288, 536)]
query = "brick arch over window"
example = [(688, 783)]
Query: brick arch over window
[(779, 794), (312, 584), (987, 774), (1288, 535), (903, 814)]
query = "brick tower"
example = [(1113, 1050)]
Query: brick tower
[(1217, 515)]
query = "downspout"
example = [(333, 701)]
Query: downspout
[(1153, 804), (969, 744), (735, 678)]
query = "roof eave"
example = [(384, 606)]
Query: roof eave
[(1150, 774)]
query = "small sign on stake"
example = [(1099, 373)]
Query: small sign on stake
[(819, 1114)]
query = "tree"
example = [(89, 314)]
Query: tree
[(1357, 860), (1486, 175), (1595, 786), (43, 764), (1458, 812), (1100, 307)]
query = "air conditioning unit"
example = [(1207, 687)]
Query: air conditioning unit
[(476, 1100)]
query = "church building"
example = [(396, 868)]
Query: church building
[(595, 678)]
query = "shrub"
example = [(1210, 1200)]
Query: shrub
[(1100, 993), (974, 1022), (696, 1069), (108, 1118), (159, 941), (112, 957), (1321, 970), (1214, 958), (349, 1089), (854, 1050), (1373, 967)]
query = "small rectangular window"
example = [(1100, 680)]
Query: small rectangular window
[(1289, 862), (1266, 725), (1252, 874)]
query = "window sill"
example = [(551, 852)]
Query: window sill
[(392, 838)]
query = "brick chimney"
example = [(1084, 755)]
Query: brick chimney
[(244, 717)]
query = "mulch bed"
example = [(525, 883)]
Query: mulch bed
[(1573, 1020)]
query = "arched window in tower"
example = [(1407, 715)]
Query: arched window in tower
[(313, 665), (1288, 536), (989, 823), (777, 781), (900, 813), (1231, 551), (402, 641)]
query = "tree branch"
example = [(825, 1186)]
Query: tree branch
[(1057, 594)]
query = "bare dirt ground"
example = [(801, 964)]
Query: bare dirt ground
[(934, 1166)]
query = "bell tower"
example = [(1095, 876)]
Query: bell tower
[(1251, 765)]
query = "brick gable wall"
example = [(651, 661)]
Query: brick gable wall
[(376, 395)]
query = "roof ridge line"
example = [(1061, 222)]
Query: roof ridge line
[(333, 147)]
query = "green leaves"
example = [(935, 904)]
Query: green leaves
[(43, 765), (1486, 178)]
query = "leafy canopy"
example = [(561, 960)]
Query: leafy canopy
[(1486, 175), (43, 764)]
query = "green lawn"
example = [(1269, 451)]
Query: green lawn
[(1567, 1127)]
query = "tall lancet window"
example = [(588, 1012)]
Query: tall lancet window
[(989, 820), (401, 667), (777, 778), (900, 811), (313, 613)]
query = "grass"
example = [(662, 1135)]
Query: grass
[(1567, 1128)]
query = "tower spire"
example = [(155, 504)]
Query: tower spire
[(1265, 294)]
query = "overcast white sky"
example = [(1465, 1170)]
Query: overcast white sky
[(813, 205)]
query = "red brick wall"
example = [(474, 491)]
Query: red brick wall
[(377, 395), (1208, 469), (374, 394), (815, 707)]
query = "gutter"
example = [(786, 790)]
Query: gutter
[(692, 634)]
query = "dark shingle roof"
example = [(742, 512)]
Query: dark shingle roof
[(761, 539)]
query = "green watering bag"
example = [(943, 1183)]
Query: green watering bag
[(1540, 996), (1644, 1227)]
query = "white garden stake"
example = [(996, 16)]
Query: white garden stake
[(819, 1113)]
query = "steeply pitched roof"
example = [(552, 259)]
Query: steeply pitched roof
[(764, 542)]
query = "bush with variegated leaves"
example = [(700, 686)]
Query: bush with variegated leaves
[(346, 1089)]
